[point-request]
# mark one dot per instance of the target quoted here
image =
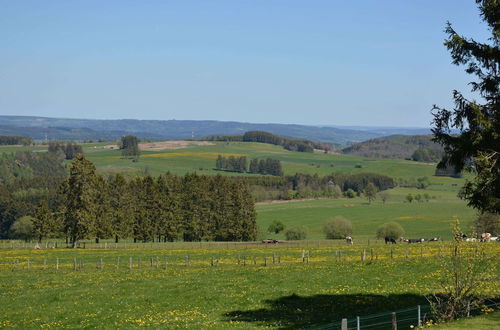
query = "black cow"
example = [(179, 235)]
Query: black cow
[(415, 240), (390, 239)]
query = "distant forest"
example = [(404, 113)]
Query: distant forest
[(300, 185), (299, 145), (417, 147), (6, 140), (257, 166)]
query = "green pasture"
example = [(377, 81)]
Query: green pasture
[(425, 219), (202, 159), (104, 292)]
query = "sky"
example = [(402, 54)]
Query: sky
[(336, 62)]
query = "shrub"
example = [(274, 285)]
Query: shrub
[(276, 227), (461, 278), (350, 193), (337, 228), (390, 229), (22, 228), (296, 233)]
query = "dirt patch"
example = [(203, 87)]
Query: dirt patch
[(169, 145), (329, 152), (281, 201), (166, 145)]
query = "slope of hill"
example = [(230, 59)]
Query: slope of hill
[(172, 129), (416, 147)]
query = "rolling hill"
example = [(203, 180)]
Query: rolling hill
[(86, 129), (415, 147)]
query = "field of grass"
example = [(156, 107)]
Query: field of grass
[(202, 159), (105, 293), (489, 321), (425, 219)]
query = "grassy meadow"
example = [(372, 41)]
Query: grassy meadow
[(425, 219), (158, 289), (151, 285)]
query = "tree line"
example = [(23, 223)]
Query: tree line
[(300, 145), (27, 165), (314, 186), (167, 208), (257, 166), (6, 140)]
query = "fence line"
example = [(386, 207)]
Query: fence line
[(404, 318)]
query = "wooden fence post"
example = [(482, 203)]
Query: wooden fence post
[(394, 321), (57, 263), (344, 324)]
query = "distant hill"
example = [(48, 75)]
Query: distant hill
[(85, 129), (415, 147), (67, 133)]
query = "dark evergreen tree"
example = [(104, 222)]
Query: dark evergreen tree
[(79, 194), (477, 146), (170, 215), (120, 199), (43, 221)]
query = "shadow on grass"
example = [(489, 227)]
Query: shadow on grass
[(291, 312)]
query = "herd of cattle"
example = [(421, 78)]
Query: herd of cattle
[(390, 239), (485, 237)]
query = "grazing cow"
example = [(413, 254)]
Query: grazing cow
[(270, 241), (485, 237), (471, 239), (494, 238), (434, 239), (389, 239), (415, 240), (348, 240), (402, 239)]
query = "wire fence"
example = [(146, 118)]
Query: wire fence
[(401, 319)]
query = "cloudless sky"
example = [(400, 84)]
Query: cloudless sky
[(336, 62)]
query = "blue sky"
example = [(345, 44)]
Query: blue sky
[(375, 63)]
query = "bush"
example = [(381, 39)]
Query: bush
[(337, 228), (296, 233), (276, 227), (350, 193), (390, 229), (22, 228)]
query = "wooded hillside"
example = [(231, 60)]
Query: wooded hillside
[(414, 147)]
